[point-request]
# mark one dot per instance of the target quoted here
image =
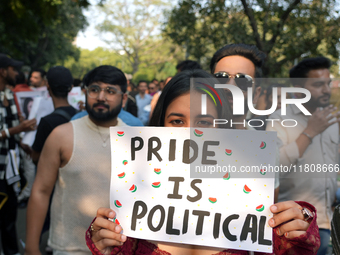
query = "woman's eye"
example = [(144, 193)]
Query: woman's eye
[(176, 122)]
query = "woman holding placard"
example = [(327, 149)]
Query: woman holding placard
[(294, 223)]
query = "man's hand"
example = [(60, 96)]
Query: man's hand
[(321, 120), (81, 105), (21, 117), (27, 125), (27, 149)]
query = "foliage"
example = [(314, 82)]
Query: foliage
[(91, 59), (101, 56), (132, 28), (41, 31), (286, 30)]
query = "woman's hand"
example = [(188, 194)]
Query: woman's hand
[(290, 218), (105, 233)]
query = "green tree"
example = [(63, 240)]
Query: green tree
[(132, 28), (286, 30), (90, 59), (41, 31)]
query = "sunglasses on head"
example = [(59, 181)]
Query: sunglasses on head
[(243, 81)]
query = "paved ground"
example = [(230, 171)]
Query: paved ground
[(21, 231)]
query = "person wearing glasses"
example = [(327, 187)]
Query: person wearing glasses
[(239, 65), (75, 162)]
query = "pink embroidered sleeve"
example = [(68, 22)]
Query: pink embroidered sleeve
[(128, 248), (307, 244)]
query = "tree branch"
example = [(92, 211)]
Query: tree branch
[(265, 26), (282, 21), (249, 12)]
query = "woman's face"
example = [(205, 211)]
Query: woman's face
[(29, 106), (178, 112)]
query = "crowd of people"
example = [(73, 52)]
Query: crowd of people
[(70, 159)]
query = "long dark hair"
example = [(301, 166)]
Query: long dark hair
[(179, 85)]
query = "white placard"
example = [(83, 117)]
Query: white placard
[(155, 198), (74, 96), (34, 104)]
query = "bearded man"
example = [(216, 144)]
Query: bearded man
[(76, 161), (311, 143)]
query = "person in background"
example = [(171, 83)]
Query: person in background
[(76, 82), (20, 86), (38, 79), (239, 65), (10, 127), (313, 141), (153, 88), (26, 164), (187, 65), (59, 84), (143, 100), (157, 95)]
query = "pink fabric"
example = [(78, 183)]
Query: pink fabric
[(306, 244)]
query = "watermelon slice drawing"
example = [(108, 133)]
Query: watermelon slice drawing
[(263, 171), (125, 162), (212, 200), (117, 204), (117, 222), (156, 184), (157, 170), (263, 145), (228, 152), (226, 176), (198, 133), (122, 175), (260, 208), (246, 189), (120, 133), (133, 188)]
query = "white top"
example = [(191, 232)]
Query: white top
[(318, 191), (83, 185)]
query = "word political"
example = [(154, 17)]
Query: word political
[(251, 225)]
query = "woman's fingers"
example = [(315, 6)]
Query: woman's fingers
[(282, 206), (104, 234), (292, 226), (294, 234), (285, 212), (105, 213), (104, 243), (101, 223)]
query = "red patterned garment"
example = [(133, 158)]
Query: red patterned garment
[(307, 244)]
